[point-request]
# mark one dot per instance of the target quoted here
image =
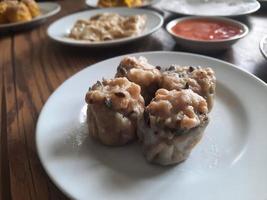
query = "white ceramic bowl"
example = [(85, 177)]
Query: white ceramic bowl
[(207, 45)]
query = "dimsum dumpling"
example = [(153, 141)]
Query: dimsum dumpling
[(172, 125), (200, 80), (114, 106), (142, 73)]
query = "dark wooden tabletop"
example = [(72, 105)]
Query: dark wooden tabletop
[(32, 67)]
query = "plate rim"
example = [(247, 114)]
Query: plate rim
[(36, 19), (153, 2), (221, 15), (105, 43), (264, 53), (46, 104)]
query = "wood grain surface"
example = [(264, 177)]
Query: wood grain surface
[(32, 67)]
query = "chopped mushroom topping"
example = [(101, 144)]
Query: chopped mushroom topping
[(173, 109), (118, 94), (138, 71), (200, 80)]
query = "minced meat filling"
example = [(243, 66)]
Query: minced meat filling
[(200, 80), (177, 109), (118, 94), (138, 71)]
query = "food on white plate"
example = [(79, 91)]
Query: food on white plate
[(172, 125), (139, 71), (3, 7), (114, 107), (118, 3), (12, 11), (166, 110), (200, 80), (108, 26), (33, 7)]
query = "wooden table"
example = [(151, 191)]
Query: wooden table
[(32, 67)]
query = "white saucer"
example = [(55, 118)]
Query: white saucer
[(59, 30)]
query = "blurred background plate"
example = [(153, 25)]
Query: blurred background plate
[(60, 29), (93, 3), (211, 7), (48, 9)]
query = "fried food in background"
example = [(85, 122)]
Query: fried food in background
[(12, 11), (117, 3), (3, 7), (18, 13), (33, 7)]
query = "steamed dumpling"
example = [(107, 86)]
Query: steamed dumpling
[(172, 125), (200, 80), (114, 106), (139, 71)]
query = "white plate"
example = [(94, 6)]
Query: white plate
[(212, 7), (263, 46), (229, 163), (48, 9), (93, 3), (60, 29)]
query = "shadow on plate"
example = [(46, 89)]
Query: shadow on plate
[(126, 161)]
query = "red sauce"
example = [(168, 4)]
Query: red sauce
[(206, 29)]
